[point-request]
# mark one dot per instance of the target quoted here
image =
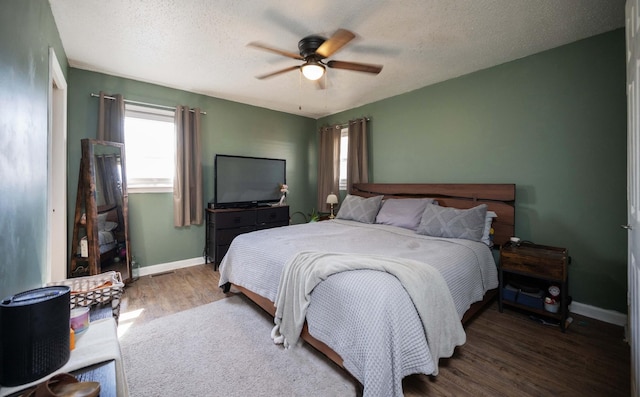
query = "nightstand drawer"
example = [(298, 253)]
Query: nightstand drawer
[(538, 261), (533, 266)]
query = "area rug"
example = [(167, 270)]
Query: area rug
[(224, 349)]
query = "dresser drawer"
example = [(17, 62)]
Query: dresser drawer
[(221, 251), (225, 236), (278, 215), (231, 219)]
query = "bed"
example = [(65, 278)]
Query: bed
[(364, 319)]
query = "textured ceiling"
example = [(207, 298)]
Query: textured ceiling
[(201, 45)]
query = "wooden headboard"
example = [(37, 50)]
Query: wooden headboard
[(111, 210), (499, 198)]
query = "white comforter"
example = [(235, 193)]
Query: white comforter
[(366, 316)]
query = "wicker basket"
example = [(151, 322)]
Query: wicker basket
[(93, 290)]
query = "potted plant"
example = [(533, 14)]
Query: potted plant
[(313, 216)]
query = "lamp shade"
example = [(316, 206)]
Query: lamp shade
[(312, 70), (332, 199)]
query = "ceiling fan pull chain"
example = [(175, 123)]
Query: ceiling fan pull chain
[(300, 90)]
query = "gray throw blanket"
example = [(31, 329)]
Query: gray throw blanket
[(424, 284)]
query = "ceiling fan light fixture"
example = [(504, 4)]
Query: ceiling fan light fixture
[(312, 70)]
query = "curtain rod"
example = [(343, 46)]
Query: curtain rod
[(343, 125), (143, 103)]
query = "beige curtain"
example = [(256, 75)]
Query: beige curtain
[(188, 205), (328, 165), (357, 158), (111, 118)]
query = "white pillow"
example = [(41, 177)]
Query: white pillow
[(487, 228)]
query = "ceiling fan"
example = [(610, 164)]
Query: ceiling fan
[(314, 50)]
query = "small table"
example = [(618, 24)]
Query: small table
[(544, 266), (96, 357), (104, 373)]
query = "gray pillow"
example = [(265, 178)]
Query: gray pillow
[(102, 219), (405, 213), (440, 221), (359, 209)]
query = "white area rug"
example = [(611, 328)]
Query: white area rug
[(224, 349)]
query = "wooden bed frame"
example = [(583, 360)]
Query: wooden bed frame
[(499, 198)]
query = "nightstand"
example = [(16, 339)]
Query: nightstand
[(528, 272)]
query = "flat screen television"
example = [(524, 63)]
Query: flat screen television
[(242, 182)]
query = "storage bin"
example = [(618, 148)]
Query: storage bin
[(509, 293), (99, 289), (531, 299)]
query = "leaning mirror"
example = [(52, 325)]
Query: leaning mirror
[(101, 225)]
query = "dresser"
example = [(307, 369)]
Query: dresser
[(223, 225)]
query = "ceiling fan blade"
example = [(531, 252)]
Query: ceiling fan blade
[(266, 76), (358, 67), (265, 47), (339, 39)]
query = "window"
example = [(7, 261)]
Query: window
[(344, 151), (149, 139)]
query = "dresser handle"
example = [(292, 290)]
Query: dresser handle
[(628, 227)]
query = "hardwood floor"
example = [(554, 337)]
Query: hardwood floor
[(167, 293), (506, 354)]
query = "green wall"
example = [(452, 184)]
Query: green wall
[(554, 124), (27, 30), (228, 128)]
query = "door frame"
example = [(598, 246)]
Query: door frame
[(56, 257)]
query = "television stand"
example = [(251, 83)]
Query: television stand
[(223, 225)]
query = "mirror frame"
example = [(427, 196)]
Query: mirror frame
[(87, 195)]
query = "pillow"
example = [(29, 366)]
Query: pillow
[(404, 213), (486, 234), (440, 221), (109, 226), (359, 209), (102, 218)]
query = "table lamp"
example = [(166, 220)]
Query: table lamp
[(332, 200)]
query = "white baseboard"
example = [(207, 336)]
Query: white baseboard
[(608, 316), (169, 266)]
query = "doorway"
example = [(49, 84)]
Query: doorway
[(56, 263)]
